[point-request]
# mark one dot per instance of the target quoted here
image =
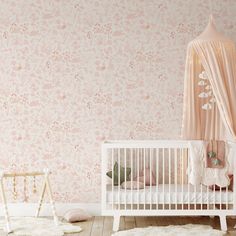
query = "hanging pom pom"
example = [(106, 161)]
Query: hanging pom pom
[(213, 100), (207, 106), (203, 75), (34, 185), (200, 76), (202, 83), (210, 93), (203, 95)]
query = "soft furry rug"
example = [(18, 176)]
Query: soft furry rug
[(172, 230), (29, 226)]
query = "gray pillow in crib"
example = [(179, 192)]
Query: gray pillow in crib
[(122, 174)]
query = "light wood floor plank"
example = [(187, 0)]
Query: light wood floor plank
[(142, 221), (122, 223), (86, 228), (97, 228), (107, 228), (130, 222), (152, 220)]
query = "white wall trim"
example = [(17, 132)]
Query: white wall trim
[(29, 209)]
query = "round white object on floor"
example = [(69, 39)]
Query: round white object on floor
[(172, 230), (39, 226)]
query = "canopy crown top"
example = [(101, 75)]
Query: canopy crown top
[(210, 33)]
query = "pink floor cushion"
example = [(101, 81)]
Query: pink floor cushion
[(76, 215), (149, 178), (132, 185)]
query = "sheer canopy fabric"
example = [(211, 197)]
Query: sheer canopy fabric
[(210, 102)]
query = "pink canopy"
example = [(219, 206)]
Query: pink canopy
[(210, 87)]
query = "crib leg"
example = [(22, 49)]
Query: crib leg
[(116, 222), (223, 223), (211, 207)]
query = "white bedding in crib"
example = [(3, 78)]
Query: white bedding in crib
[(168, 194)]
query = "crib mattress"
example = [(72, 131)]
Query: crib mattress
[(180, 194)]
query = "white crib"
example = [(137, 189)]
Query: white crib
[(171, 195)]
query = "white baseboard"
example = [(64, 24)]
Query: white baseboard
[(29, 209)]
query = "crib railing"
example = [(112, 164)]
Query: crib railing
[(162, 168)]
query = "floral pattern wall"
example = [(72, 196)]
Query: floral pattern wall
[(74, 73)]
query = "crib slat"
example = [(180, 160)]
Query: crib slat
[(227, 199), (157, 178), (144, 166), (132, 168), (195, 197), (220, 198), (112, 179), (182, 175), (119, 178), (125, 153), (234, 182), (138, 153), (201, 198), (176, 178), (188, 188), (214, 189), (150, 167), (163, 177), (207, 198), (169, 167)]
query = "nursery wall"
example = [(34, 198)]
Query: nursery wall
[(76, 72)]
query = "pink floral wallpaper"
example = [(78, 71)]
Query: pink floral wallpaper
[(76, 72)]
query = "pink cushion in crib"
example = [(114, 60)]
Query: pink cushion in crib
[(149, 179), (76, 215), (136, 185)]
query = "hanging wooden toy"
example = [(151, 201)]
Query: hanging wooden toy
[(46, 187), (14, 188), (34, 185)]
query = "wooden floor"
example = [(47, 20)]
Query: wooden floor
[(102, 226)]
